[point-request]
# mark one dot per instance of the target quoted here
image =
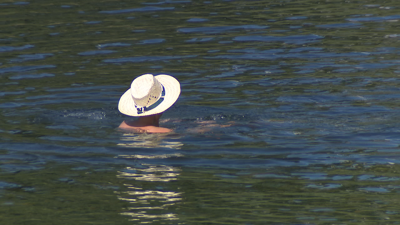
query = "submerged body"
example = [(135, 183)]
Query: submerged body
[(145, 124)]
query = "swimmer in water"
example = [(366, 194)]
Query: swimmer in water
[(148, 97)]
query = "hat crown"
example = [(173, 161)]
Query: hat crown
[(146, 90)]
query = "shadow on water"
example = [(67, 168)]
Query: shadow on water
[(288, 112)]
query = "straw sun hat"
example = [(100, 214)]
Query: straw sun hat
[(149, 95)]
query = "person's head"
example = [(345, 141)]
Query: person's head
[(152, 117), (149, 95), (158, 116)]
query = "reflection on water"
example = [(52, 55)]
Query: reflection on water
[(130, 140), (149, 204), (151, 173)]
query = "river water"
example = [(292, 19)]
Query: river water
[(289, 112)]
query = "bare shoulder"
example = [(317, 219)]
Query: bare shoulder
[(153, 129), (124, 125), (143, 129)]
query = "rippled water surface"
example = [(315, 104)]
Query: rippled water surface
[(289, 112)]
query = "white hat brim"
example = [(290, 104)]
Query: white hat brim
[(172, 88)]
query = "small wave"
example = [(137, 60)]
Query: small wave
[(96, 115), (143, 9)]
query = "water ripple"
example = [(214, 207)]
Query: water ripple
[(31, 76), (96, 52), (116, 44), (152, 41), (10, 48), (340, 25), (197, 20), (145, 59), (25, 68), (294, 39), (220, 29), (28, 57), (143, 9), (374, 19)]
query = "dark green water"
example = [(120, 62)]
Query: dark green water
[(309, 88)]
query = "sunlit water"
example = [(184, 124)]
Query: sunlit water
[(289, 112)]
